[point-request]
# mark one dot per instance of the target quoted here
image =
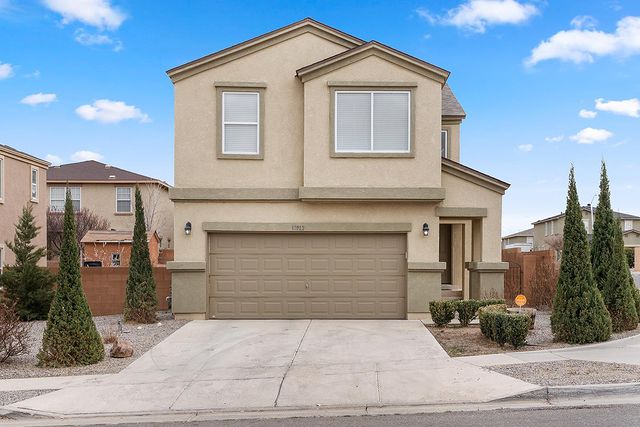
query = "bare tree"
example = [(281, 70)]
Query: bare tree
[(154, 218), (85, 220), (555, 242)]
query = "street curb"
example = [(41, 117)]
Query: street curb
[(554, 392)]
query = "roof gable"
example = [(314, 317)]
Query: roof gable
[(473, 176), (22, 156), (93, 171), (257, 43), (358, 53)]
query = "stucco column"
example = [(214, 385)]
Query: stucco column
[(424, 284), (636, 266), (476, 239), (486, 279), (188, 289)]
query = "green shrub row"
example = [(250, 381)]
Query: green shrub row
[(443, 312), (503, 327)]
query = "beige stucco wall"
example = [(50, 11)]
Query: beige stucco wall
[(462, 193), (321, 170), (631, 240), (193, 247), (454, 140), (101, 199), (196, 121), (17, 194)]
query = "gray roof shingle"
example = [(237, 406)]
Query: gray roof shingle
[(450, 105), (92, 170)]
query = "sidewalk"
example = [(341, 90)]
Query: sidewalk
[(625, 350), (48, 383)]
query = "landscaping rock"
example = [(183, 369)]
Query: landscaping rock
[(121, 349)]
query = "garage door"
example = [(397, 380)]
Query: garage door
[(317, 276)]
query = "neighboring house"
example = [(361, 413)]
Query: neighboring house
[(547, 228), (522, 239), (108, 191), (310, 183), (113, 248), (23, 181)]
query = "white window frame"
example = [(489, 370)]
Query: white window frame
[(446, 143), (630, 225), (113, 256), (65, 188), (2, 166), (225, 123), (130, 200), (34, 185), (371, 142)]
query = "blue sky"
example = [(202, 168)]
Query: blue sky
[(86, 78)]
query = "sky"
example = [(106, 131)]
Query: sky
[(545, 84)]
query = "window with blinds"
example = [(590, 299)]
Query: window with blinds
[(444, 144), (123, 200), (372, 122), (57, 197), (240, 122), (34, 184)]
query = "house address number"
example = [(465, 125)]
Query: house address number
[(295, 227)]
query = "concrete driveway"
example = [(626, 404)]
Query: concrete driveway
[(256, 365)]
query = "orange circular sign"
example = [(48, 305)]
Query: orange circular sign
[(521, 300)]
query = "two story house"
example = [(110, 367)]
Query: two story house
[(108, 191), (547, 228), (23, 181), (317, 176)]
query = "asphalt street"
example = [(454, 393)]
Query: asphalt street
[(625, 415)]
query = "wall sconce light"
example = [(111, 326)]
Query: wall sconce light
[(425, 229), (187, 228)]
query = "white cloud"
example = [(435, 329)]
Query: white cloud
[(591, 135), (554, 138), (584, 44), (477, 15), (6, 71), (84, 155), (39, 98), (97, 13), (53, 159), (34, 75), (587, 114), (107, 111), (525, 148), (626, 107), (89, 39), (584, 21)]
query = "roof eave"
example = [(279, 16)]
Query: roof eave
[(327, 65), (474, 176), (209, 61)]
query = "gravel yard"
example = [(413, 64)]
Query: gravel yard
[(9, 397), (143, 338), (571, 372), (469, 341)]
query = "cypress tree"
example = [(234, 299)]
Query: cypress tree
[(609, 262), (70, 337), (579, 315), (27, 285), (141, 301)]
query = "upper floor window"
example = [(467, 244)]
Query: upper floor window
[(372, 121), (240, 122), (548, 228), (123, 200), (34, 184), (628, 225), (444, 143), (1, 179), (57, 196)]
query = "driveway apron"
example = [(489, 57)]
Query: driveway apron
[(256, 364)]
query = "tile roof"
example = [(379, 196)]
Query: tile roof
[(92, 170), (524, 233), (104, 236), (619, 215), (450, 105)]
